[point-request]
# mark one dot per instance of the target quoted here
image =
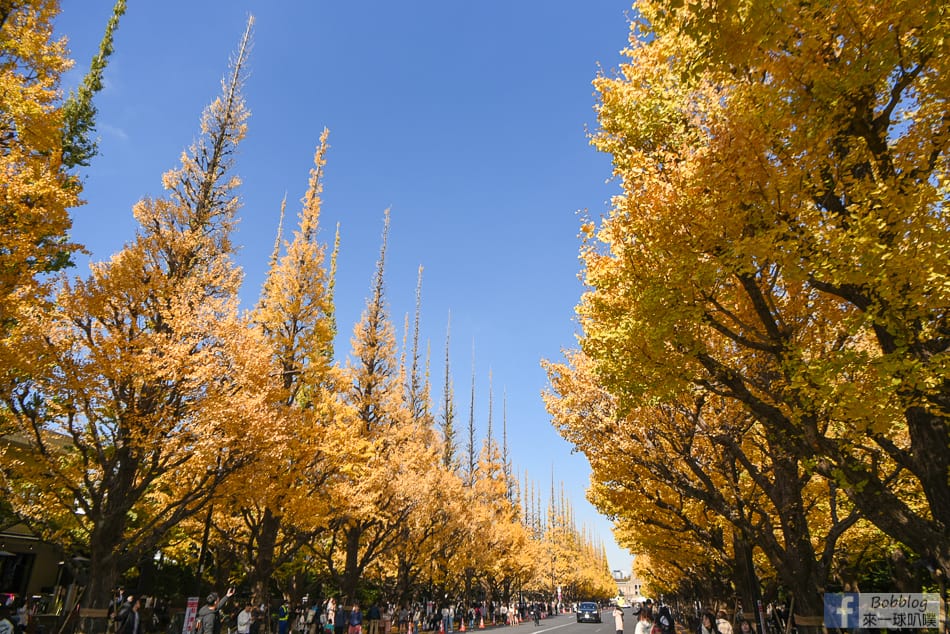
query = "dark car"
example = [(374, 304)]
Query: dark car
[(588, 612)]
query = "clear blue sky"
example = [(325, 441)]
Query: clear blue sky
[(468, 119)]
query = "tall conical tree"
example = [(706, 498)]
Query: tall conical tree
[(416, 396), (147, 373), (386, 453), (471, 464), (79, 111), (496, 524), (278, 509), (375, 391), (447, 422)]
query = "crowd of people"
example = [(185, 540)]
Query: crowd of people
[(18, 614), (129, 613), (659, 619), (333, 617)]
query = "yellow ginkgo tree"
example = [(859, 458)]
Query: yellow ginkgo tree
[(781, 238), (144, 373)]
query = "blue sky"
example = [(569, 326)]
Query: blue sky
[(469, 120)]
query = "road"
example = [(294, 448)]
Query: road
[(567, 624)]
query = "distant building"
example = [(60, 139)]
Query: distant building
[(628, 586)]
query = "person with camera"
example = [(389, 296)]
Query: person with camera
[(208, 620)]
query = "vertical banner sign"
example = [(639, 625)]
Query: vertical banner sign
[(191, 611)]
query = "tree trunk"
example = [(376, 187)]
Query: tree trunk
[(263, 567), (799, 568), (103, 564), (351, 573)]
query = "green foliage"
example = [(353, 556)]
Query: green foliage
[(79, 111)]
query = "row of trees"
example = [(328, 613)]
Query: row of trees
[(149, 414), (765, 326)]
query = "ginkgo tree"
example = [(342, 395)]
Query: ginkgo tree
[(43, 138), (38, 188), (705, 485), (274, 509), (384, 456), (781, 242), (144, 373), (152, 415)]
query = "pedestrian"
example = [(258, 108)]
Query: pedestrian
[(6, 625), (401, 626), (256, 618), (387, 619), (707, 624), (129, 619), (115, 602), (339, 620), (618, 619), (355, 620), (24, 615), (373, 618), (329, 614), (644, 620), (208, 620), (283, 616), (123, 611), (722, 623), (446, 622), (745, 626), (313, 619), (417, 619), (244, 618)]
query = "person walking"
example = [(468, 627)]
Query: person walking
[(339, 620), (6, 624), (129, 619), (355, 620), (446, 622), (618, 619), (372, 618), (329, 612), (645, 621)]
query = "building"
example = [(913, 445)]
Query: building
[(629, 587), (29, 567)]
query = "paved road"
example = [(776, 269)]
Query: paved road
[(567, 624)]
